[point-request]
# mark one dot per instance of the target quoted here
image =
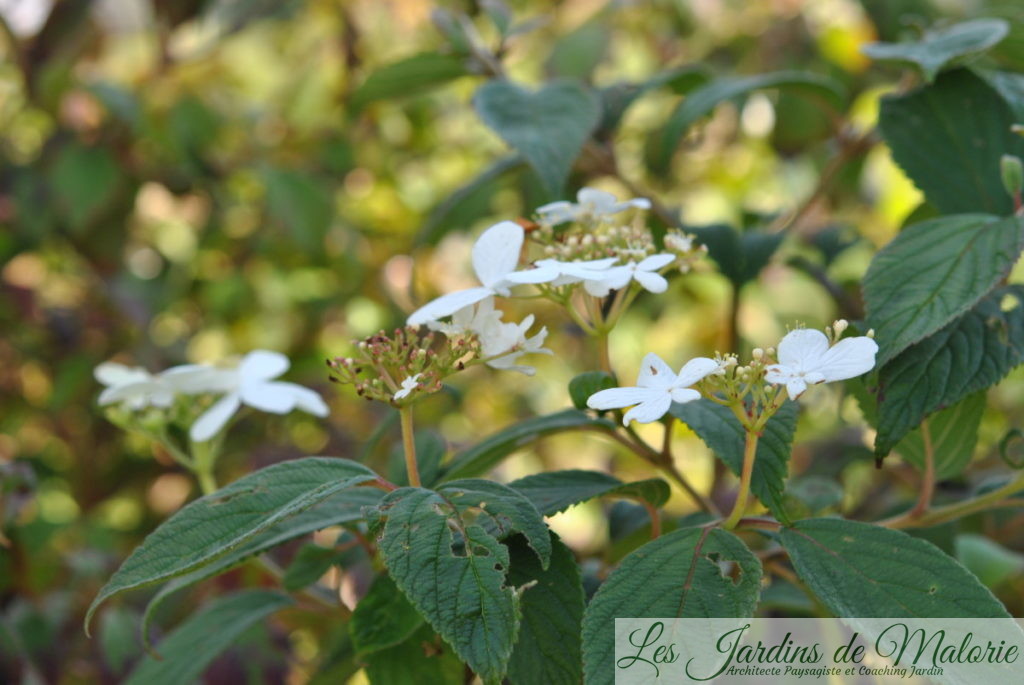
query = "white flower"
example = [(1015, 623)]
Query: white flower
[(495, 255), (496, 336), (656, 389), (475, 318), (134, 387), (408, 385), (805, 358), (521, 346), (590, 202), (645, 273), (250, 383), (591, 273)]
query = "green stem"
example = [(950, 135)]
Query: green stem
[(409, 443), (749, 453), (924, 499), (954, 511), (203, 459), (604, 359)]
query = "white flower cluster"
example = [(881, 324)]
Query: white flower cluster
[(250, 382)]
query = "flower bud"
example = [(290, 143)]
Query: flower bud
[(757, 354), (1012, 171)]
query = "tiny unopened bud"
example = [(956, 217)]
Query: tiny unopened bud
[(840, 326), (757, 353), (1012, 171), (871, 333)]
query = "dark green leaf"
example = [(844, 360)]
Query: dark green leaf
[(463, 596), (214, 525), (423, 659), (1011, 87), (939, 47), (548, 127), (410, 76), (816, 492), (85, 181), (509, 511), (740, 256), (677, 575), (933, 272), (586, 384), (383, 618), (720, 430), (309, 565), (548, 649), (302, 204), (948, 138), (702, 101), (189, 649), (953, 433), (468, 203), (119, 630), (987, 559), (968, 355), (481, 457), (862, 570), (578, 53), (558, 490)]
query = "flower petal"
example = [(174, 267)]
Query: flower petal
[(684, 395), (597, 201), (263, 365), (777, 374), (112, 373), (557, 212), (655, 373), (198, 379), (649, 411), (656, 261), (617, 398), (651, 281), (795, 387), (540, 274), (496, 252), (803, 348), (214, 418), (446, 305), (694, 370), (307, 400), (275, 398), (848, 358)]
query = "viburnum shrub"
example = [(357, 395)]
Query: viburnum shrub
[(467, 573)]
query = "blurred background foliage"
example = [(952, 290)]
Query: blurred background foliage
[(188, 180)]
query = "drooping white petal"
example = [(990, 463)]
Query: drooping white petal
[(795, 386), (684, 395), (496, 252), (540, 274), (446, 305), (273, 397), (651, 410), (597, 201), (198, 379), (655, 262), (694, 370), (802, 348), (848, 358), (655, 373), (214, 418), (557, 212), (617, 398), (651, 281), (309, 401), (263, 365), (112, 373)]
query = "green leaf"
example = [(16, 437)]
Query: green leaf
[(1011, 86), (410, 76), (937, 48), (218, 523), (481, 457), (953, 433), (85, 180), (509, 511), (933, 272), (468, 203), (862, 570), (575, 55), (118, 631), (618, 98), (548, 649), (987, 559), (948, 138), (189, 649), (740, 256), (816, 493), (548, 127), (302, 204), (721, 431), (677, 575), (970, 354), (422, 659), (309, 565), (343, 507), (556, 491), (383, 618), (702, 101), (586, 384), (462, 595)]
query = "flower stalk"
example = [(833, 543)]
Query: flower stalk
[(746, 474), (409, 443)]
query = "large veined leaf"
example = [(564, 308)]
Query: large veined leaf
[(937, 48), (548, 649), (410, 76), (218, 523), (861, 570), (952, 432), (188, 649), (421, 659), (556, 491), (342, 507), (702, 101), (933, 272), (383, 618), (462, 595), (970, 354), (948, 138), (721, 431), (548, 127), (478, 459), (678, 575)]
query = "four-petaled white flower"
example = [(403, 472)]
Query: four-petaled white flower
[(591, 273), (520, 345), (496, 336), (134, 387), (805, 358), (656, 389), (590, 202), (408, 385), (495, 255), (645, 273), (250, 383)]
